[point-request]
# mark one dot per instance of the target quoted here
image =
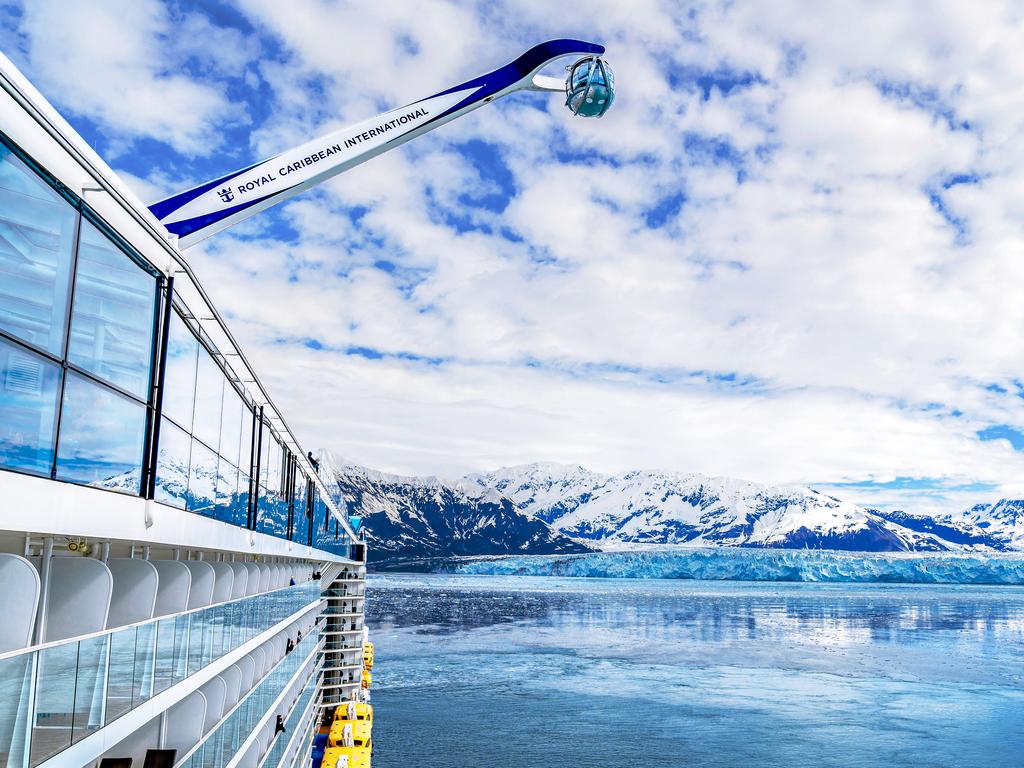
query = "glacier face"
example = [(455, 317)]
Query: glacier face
[(648, 507), (741, 564)]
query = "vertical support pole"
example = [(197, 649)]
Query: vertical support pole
[(158, 405), (254, 496), (162, 730), (253, 453), (44, 590)]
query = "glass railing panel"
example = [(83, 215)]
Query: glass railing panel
[(237, 621), (171, 643), (293, 722), (57, 695), (145, 657), (16, 678), (221, 745), (210, 651), (122, 673), (54, 712), (197, 630), (90, 682)]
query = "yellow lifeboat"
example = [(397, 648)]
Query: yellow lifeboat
[(353, 733), (354, 710), (346, 757), (368, 655), (367, 679)]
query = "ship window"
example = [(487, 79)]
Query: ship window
[(180, 373), (265, 512), (202, 479), (227, 487), (241, 506), (113, 313), (101, 436), (231, 425), (198, 397), (274, 454), (172, 465), (264, 444), (245, 454), (209, 394), (28, 407), (36, 238)]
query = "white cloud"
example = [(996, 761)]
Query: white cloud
[(105, 61), (820, 252)]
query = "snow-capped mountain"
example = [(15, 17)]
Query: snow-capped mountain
[(1003, 520), (411, 518), (538, 509), (643, 507)]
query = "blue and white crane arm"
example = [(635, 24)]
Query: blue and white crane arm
[(215, 205)]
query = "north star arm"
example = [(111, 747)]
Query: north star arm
[(199, 212)]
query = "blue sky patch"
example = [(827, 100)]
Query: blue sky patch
[(1004, 432), (915, 484)]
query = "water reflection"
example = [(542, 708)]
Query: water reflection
[(890, 629), (514, 672)]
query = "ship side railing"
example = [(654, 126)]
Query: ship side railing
[(55, 694)]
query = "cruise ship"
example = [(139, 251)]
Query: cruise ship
[(180, 588)]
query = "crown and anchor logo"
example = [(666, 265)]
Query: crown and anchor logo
[(226, 194)]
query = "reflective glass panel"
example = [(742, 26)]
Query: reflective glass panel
[(122, 671), (36, 238), (56, 671), (301, 522), (263, 510), (112, 317), (101, 436), (240, 508), (227, 487), (202, 479), (16, 675), (28, 409), (172, 641), (231, 425), (142, 681), (245, 454), (273, 513), (264, 445), (89, 684), (209, 393), (180, 373), (172, 465), (274, 457)]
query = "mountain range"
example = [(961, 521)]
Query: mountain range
[(405, 519), (554, 509)]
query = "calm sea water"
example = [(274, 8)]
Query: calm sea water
[(541, 671)]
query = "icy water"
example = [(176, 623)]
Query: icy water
[(516, 671)]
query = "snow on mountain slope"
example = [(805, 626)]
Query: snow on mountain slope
[(555, 509), (406, 518), (643, 507), (1003, 520)]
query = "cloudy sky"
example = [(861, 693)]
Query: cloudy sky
[(792, 252)]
